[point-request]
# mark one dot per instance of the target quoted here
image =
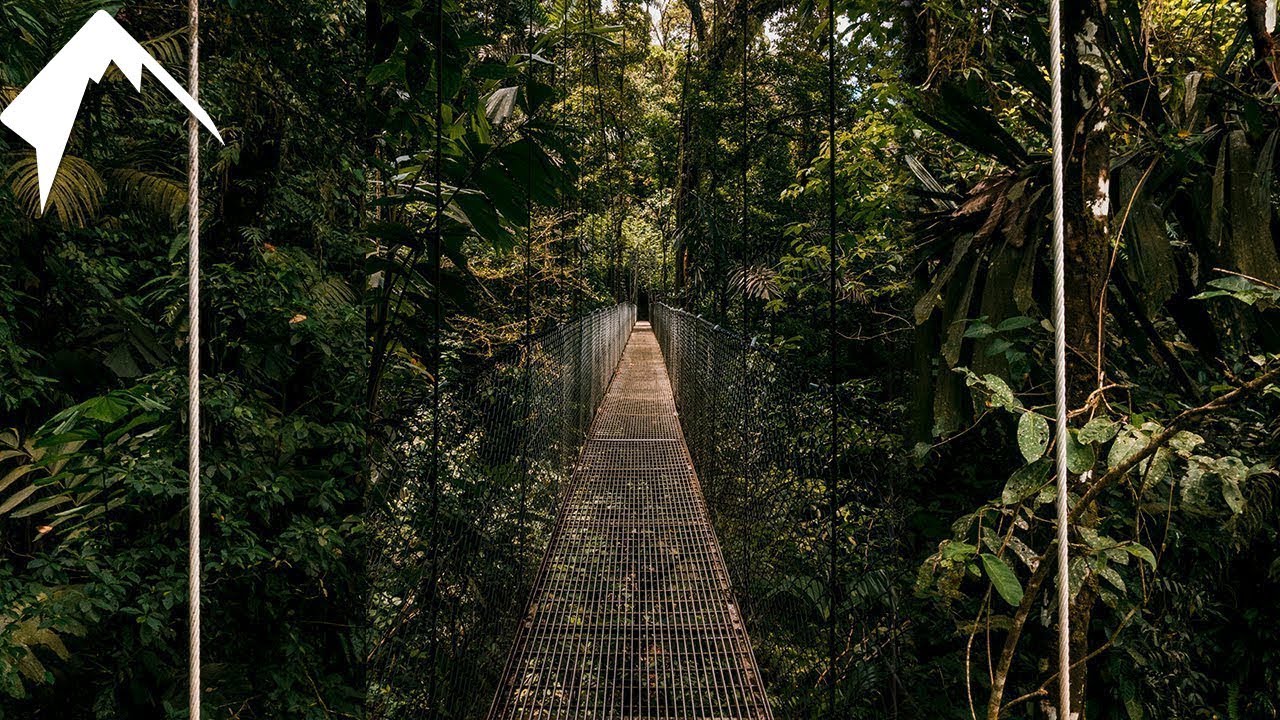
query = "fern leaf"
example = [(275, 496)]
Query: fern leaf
[(76, 195)]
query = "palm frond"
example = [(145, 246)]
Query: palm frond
[(76, 195), (165, 196), (760, 282)]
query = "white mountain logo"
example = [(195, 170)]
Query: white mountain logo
[(44, 113)]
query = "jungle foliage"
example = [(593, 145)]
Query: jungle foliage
[(587, 153), (93, 328)]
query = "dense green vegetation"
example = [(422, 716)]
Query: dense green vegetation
[(92, 392), (592, 153)]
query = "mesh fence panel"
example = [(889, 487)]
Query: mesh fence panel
[(760, 435), (457, 535)]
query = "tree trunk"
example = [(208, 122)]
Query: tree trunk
[(920, 41), (1264, 45), (1087, 190), (1088, 245)]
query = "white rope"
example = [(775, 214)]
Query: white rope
[(1060, 362), (193, 369)]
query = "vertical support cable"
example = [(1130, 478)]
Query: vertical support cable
[(745, 386), (437, 361), (528, 277), (604, 137), (579, 406), (193, 367), (832, 478), (528, 196), (746, 159), (581, 83), (684, 119), (1060, 361), (618, 281)]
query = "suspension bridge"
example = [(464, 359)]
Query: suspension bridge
[(616, 508), (632, 613)]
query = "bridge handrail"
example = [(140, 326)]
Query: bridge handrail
[(515, 347), (456, 535), (759, 432), (752, 343)]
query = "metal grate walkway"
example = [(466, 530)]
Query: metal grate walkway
[(632, 615)]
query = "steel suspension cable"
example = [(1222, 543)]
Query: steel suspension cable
[(744, 462), (746, 160), (528, 277), (684, 119), (622, 153), (193, 367), (832, 475), (437, 358), (558, 234), (1060, 361), (580, 83), (595, 71)]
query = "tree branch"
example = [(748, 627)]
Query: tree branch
[(994, 704)]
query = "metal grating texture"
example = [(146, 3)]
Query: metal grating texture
[(456, 536), (632, 615)]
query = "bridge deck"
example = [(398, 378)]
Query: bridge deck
[(632, 615)]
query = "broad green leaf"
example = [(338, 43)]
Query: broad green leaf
[(1156, 468), (1240, 289), (1233, 472), (1095, 540), (979, 330), (1185, 442), (1002, 578), (1080, 457), (1126, 445), (995, 391), (1142, 552), (1033, 435), (1098, 430), (1195, 495), (107, 408), (1108, 573), (389, 70), (1025, 482), (1001, 394), (1016, 323), (1077, 571), (955, 550)]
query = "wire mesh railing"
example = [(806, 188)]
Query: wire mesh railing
[(760, 434), (459, 524)]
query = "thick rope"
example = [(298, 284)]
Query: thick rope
[(1060, 362), (193, 368)]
